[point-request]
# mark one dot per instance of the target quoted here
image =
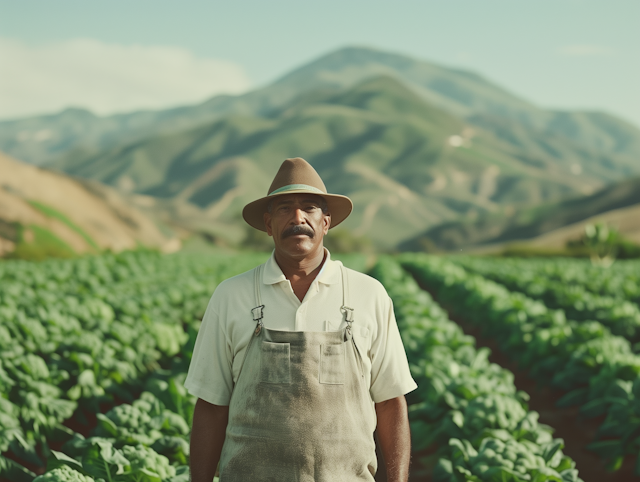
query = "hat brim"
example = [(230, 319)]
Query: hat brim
[(339, 207)]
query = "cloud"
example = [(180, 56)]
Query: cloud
[(108, 78), (582, 50)]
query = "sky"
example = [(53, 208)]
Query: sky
[(119, 56)]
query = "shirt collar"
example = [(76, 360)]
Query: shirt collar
[(329, 273)]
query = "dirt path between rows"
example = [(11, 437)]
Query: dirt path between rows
[(567, 423)]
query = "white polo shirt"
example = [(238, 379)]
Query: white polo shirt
[(228, 326)]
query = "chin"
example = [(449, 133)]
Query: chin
[(298, 246)]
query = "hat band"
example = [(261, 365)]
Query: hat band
[(296, 187)]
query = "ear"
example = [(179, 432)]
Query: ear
[(326, 223), (267, 223)]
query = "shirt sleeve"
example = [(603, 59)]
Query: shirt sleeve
[(210, 374), (390, 374)]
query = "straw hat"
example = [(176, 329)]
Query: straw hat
[(297, 176)]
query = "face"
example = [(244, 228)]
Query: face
[(297, 224)]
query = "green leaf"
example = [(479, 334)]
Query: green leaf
[(566, 463), (549, 450), (504, 474), (75, 392), (451, 400), (607, 449), (14, 472), (25, 450), (182, 474), (462, 450), (442, 472), (574, 397), (144, 475), (111, 455), (458, 418), (102, 460), (107, 424), (570, 475), (594, 408), (615, 463), (59, 458), (545, 474), (176, 449)]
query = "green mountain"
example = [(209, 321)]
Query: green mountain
[(618, 204), (464, 94), (417, 146), (407, 164)]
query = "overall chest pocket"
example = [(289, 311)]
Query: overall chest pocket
[(275, 362), (332, 364)]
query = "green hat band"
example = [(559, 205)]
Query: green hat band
[(296, 187)]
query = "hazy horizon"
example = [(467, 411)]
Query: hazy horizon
[(121, 57)]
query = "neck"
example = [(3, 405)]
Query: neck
[(295, 268)]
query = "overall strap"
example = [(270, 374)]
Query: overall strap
[(348, 311), (257, 311)]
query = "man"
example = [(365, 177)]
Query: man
[(297, 359)]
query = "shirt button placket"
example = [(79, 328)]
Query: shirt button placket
[(300, 313)]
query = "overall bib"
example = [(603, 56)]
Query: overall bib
[(300, 410)]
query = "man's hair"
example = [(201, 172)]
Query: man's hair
[(322, 202)]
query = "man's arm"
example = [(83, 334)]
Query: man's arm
[(394, 437), (207, 437)]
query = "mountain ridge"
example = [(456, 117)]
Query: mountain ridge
[(378, 141), (40, 139), (399, 135)]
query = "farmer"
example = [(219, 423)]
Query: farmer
[(297, 359)]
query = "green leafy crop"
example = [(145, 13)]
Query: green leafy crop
[(466, 412), (63, 474)]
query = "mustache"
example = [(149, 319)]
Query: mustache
[(298, 229)]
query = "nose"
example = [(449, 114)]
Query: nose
[(298, 216)]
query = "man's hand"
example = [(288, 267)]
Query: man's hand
[(207, 437), (394, 437)]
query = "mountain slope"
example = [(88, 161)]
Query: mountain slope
[(40, 139), (548, 225), (407, 164), (71, 215), (456, 91)]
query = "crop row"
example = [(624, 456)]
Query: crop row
[(468, 421), (598, 370), (622, 280), (145, 441), (84, 335), (622, 317)]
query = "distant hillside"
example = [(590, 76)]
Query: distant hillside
[(407, 164), (549, 225), (625, 220), (466, 95), (418, 146), (44, 212)]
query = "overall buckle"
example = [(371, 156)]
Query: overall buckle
[(348, 313), (348, 316), (257, 313), (257, 316)]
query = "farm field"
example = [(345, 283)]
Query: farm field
[(595, 370), (93, 353)]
